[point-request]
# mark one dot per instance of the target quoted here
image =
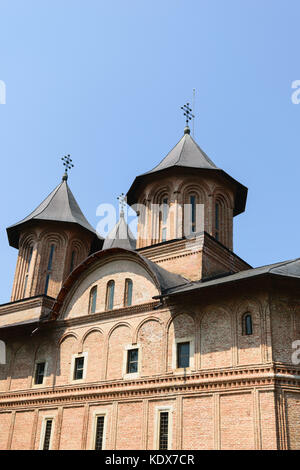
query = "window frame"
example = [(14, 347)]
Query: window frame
[(186, 339), (132, 375), (158, 411), (91, 299), (73, 362), (244, 324), (110, 283), (128, 282), (163, 218), (178, 345), (35, 371), (43, 432), (96, 414)]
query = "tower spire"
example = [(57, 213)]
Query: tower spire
[(187, 112), (68, 165), (122, 203)]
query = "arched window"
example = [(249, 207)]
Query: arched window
[(49, 268), (163, 218), (93, 300), (128, 293), (29, 257), (247, 324), (110, 292)]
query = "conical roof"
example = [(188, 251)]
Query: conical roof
[(59, 206), (188, 155), (120, 236)]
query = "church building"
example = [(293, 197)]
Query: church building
[(166, 340)]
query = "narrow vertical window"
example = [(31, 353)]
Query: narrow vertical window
[(110, 292), (128, 293), (132, 361), (99, 432), (183, 355), (93, 300), (217, 221), (27, 269), (164, 219), (47, 435), (49, 268), (193, 213), (39, 373), (78, 368), (72, 263), (247, 327), (163, 430)]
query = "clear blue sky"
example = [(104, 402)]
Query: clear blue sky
[(104, 81)]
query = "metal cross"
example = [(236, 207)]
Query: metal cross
[(122, 203), (187, 111), (67, 164)]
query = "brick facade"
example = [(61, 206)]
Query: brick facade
[(240, 391)]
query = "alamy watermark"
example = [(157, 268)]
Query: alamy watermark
[(2, 352), (2, 92), (295, 97), (296, 353), (186, 220)]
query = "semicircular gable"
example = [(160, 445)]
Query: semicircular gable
[(117, 265)]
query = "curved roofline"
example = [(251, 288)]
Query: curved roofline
[(164, 279), (59, 206)]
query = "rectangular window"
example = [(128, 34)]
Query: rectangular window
[(78, 368), (39, 373), (132, 361), (183, 355), (164, 234), (47, 435), (99, 433), (163, 430)]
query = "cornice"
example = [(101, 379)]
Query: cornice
[(26, 304), (226, 380), (107, 315)]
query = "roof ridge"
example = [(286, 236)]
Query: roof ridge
[(184, 142), (68, 196)]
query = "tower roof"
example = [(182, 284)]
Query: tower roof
[(59, 206), (120, 236), (187, 154)]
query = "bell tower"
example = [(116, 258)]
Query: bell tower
[(186, 206), (52, 241)]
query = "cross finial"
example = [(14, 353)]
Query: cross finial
[(122, 203), (68, 165), (187, 111)]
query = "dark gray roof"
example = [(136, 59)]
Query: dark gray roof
[(188, 155), (120, 236), (285, 268), (59, 206)]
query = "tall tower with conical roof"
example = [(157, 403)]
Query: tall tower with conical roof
[(52, 241), (186, 206)]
